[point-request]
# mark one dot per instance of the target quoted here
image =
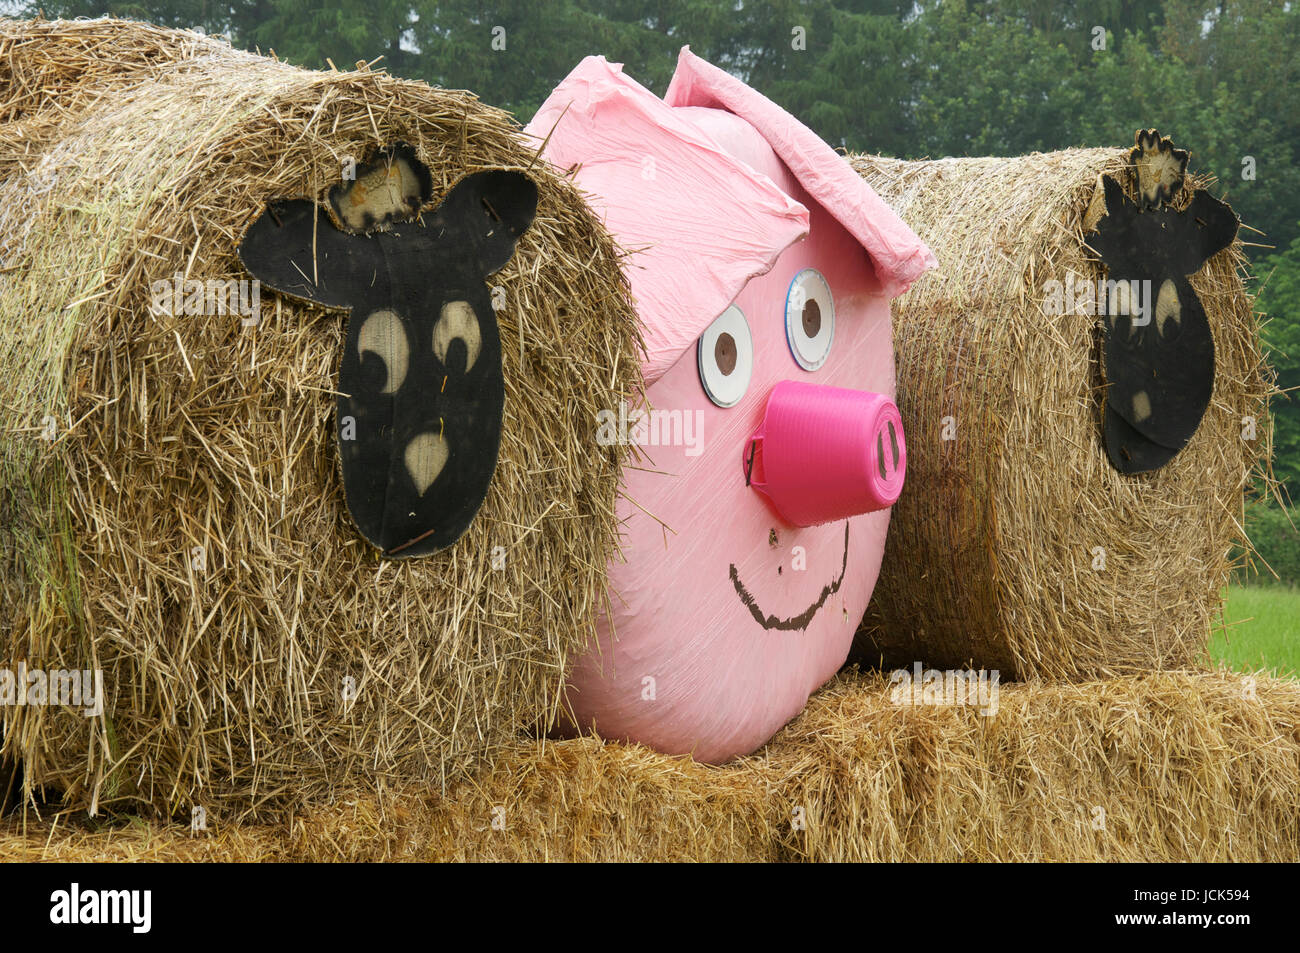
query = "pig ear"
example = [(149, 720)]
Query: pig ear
[(697, 222), (496, 208)]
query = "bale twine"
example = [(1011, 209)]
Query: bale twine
[(1016, 546), (184, 528)]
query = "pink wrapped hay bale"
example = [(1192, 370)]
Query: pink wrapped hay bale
[(771, 449)]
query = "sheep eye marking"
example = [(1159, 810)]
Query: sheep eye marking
[(457, 321), (1168, 307), (384, 335)]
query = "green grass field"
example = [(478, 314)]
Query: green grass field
[(1263, 630)]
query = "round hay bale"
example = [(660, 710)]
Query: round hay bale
[(171, 508), (754, 526), (1016, 545)]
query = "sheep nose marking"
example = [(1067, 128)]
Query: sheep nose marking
[(425, 457)]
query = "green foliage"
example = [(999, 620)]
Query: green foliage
[(1262, 631), (173, 13), (1273, 532), (991, 66), (1278, 286)]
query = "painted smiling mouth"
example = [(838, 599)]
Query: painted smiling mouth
[(800, 621)]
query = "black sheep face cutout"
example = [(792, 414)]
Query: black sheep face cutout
[(421, 392), (1157, 346)]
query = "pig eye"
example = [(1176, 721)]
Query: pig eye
[(810, 319), (726, 356)]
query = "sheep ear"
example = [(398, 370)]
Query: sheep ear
[(1216, 226), (1109, 239), (294, 249), (1116, 200), (496, 208)]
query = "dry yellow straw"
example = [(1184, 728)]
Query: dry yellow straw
[(1015, 542), (185, 529)]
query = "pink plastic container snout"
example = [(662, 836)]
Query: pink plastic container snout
[(826, 453)]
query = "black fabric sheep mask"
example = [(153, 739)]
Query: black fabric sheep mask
[(1157, 346), (421, 392)]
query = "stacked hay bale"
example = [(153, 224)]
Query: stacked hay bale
[(1167, 767), (1170, 767), (171, 511), (1016, 545)]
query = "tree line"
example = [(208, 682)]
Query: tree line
[(909, 78)]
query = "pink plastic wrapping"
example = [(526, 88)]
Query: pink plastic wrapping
[(726, 614), (897, 254), (645, 169)]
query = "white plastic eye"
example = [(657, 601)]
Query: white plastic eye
[(810, 319), (726, 358)]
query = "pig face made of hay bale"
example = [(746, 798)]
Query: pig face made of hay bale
[(420, 386), (772, 450)]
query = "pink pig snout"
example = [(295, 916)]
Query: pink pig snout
[(826, 453)]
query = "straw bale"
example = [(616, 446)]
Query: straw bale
[(185, 531), (1175, 766), (1016, 545)]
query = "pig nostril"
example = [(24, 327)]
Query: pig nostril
[(880, 456), (893, 443)]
